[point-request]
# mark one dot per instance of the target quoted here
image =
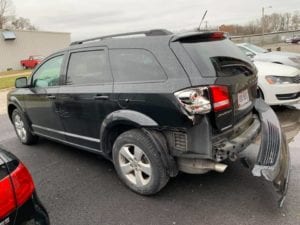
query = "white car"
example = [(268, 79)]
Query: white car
[(279, 57), (278, 84)]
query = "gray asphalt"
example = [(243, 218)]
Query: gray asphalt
[(80, 188)]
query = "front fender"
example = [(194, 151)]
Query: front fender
[(13, 101)]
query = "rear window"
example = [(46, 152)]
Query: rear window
[(3, 170), (218, 58), (135, 65), (7, 164)]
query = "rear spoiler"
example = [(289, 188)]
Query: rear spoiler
[(199, 36)]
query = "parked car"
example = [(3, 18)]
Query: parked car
[(19, 203), (278, 84), (31, 62), (153, 105), (293, 40), (279, 57), (296, 40)]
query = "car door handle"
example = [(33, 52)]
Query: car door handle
[(101, 97), (51, 96)]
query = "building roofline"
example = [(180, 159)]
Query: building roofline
[(36, 31)]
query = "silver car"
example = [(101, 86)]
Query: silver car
[(261, 54)]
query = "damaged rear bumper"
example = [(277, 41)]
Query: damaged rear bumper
[(270, 159)]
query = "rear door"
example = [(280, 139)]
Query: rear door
[(85, 99), (220, 62)]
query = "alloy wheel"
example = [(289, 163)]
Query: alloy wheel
[(135, 165), (20, 128)]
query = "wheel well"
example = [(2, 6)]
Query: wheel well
[(11, 108), (112, 134)]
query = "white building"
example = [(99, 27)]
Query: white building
[(16, 45)]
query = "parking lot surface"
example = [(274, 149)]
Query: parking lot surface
[(80, 188)]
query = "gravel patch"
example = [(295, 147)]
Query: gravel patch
[(3, 108)]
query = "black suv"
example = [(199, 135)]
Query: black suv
[(154, 103)]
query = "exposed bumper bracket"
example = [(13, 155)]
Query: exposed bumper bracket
[(271, 160)]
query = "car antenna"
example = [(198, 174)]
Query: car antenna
[(203, 17)]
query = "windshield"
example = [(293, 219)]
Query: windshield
[(255, 48)]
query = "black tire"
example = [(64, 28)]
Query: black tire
[(158, 178), (28, 138)]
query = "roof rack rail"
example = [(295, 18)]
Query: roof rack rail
[(156, 32)]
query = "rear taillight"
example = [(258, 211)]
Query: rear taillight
[(220, 97), (194, 100), (15, 190), (23, 184), (7, 198), (217, 35)]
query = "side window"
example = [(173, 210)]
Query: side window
[(48, 74), (88, 67), (135, 65)]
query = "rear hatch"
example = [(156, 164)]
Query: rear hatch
[(219, 62)]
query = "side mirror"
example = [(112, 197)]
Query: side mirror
[(21, 82)]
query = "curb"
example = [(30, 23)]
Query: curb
[(291, 124), (15, 74), (6, 89)]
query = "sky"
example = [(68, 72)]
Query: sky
[(90, 18)]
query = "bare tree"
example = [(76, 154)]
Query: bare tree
[(22, 24), (272, 23), (296, 20), (287, 20), (252, 27), (6, 10)]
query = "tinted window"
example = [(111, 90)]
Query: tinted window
[(135, 65), (88, 68), (48, 74), (3, 170)]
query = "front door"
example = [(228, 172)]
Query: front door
[(40, 101)]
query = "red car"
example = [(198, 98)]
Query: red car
[(31, 62), (19, 203)]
